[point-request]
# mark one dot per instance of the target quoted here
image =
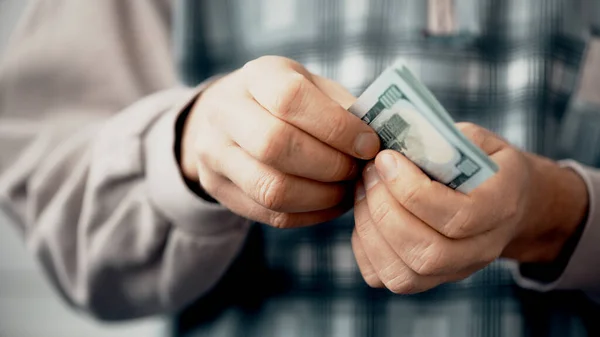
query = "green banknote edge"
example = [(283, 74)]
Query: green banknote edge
[(429, 99)]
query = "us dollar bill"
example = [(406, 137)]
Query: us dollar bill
[(409, 119)]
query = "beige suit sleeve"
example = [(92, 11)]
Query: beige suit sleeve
[(88, 104)]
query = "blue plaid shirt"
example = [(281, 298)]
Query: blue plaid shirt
[(511, 66)]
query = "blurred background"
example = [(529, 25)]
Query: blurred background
[(28, 304)]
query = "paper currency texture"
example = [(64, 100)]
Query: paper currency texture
[(409, 119)]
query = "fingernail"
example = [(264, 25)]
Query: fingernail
[(360, 192), (366, 145), (388, 166), (371, 177)]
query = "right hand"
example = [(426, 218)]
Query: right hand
[(274, 143)]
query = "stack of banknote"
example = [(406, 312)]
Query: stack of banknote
[(410, 120)]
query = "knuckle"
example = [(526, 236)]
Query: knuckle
[(338, 126), (255, 69), (467, 127), (202, 147), (489, 256), (206, 157), (397, 278), (512, 209), (258, 64), (402, 285), (372, 280), (290, 96), (341, 168), (265, 61), (210, 183), (271, 190), (381, 213), (429, 261), (486, 255), (363, 229), (474, 132), (273, 146), (203, 154), (250, 64), (478, 137), (412, 193), (280, 220), (460, 225)]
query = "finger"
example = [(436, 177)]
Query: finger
[(276, 190), (234, 199), (334, 90), (364, 265), (501, 188), (283, 90), (501, 196), (390, 268), (449, 212), (486, 140), (444, 209), (424, 250), (370, 275), (285, 147)]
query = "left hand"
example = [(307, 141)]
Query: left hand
[(412, 233)]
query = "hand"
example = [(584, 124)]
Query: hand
[(412, 233), (274, 143)]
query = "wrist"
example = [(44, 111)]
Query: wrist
[(558, 208), (186, 131), (183, 144)]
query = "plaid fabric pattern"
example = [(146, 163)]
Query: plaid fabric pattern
[(511, 66)]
